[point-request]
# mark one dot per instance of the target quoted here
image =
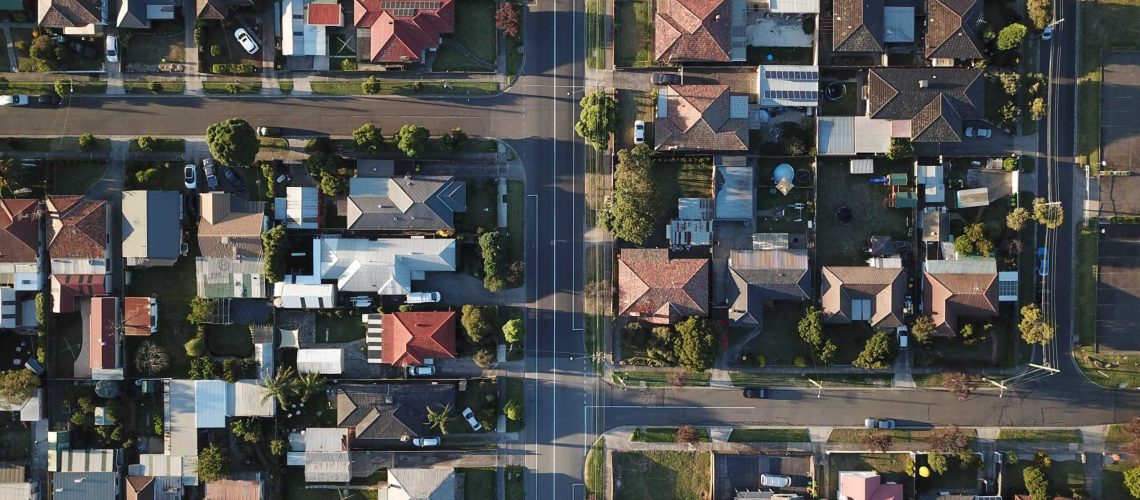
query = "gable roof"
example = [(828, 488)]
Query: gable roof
[(411, 337), (136, 316), (399, 32), (19, 230), (66, 289), (230, 226), (700, 117), (324, 13), (657, 289), (132, 14), (69, 13), (868, 486), (421, 483), (424, 203), (389, 411), (386, 266), (78, 227), (228, 489), (102, 342), (693, 30), (950, 30), (857, 26), (219, 9), (856, 293), (763, 275), (936, 100), (140, 487), (149, 224), (948, 296)]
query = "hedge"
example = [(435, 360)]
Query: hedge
[(232, 69)]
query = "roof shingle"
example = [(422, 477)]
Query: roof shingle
[(880, 290), (700, 117), (935, 100), (950, 30), (693, 30), (948, 296), (78, 228), (657, 289), (19, 231), (858, 26), (399, 34)]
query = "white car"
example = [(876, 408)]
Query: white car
[(639, 132), (980, 132), (1047, 33), (470, 416), (421, 370), (360, 301), (190, 176), (13, 100), (422, 297), (426, 442), (112, 49), (246, 41)]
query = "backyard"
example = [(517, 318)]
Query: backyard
[(870, 213), (661, 474), (229, 340), (843, 106), (475, 31), (959, 477), (339, 327), (891, 466), (173, 286), (1124, 18), (633, 33), (66, 343), (1065, 477)]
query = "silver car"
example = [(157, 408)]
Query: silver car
[(470, 417), (246, 41), (13, 100), (426, 442), (775, 481)]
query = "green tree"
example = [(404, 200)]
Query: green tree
[(1035, 483), (278, 447), (273, 247), (158, 425), (810, 329), (87, 142), (308, 384), (598, 119), (476, 321), (1033, 328), (368, 138), (334, 185), (922, 328), (233, 142), (439, 418), (247, 429), (279, 386), (1017, 218), (973, 241), (1037, 108), (203, 368), (17, 385), (937, 463), (230, 370), (876, 353), (514, 330), (485, 357), (213, 463), (1050, 215), (636, 205), (1132, 481), (1011, 36), (1040, 13), (370, 85), (62, 87), (200, 311), (900, 148), (457, 138), (413, 140), (1010, 81), (514, 410), (146, 143), (195, 347), (491, 246), (695, 344)]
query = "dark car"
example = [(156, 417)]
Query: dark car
[(666, 79), (49, 100), (211, 176), (234, 179), (756, 393)]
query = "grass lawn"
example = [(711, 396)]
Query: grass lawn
[(1086, 284), (661, 474), (868, 204), (898, 436), (1113, 481), (17, 441), (633, 105), (286, 86), (173, 286), (46, 87), (515, 44), (163, 145), (790, 435), (162, 44), (406, 87), (336, 330), (475, 31), (741, 379), (658, 379), (51, 144), (67, 333), (229, 87), (845, 106), (1040, 435), (1122, 372), (1116, 434), (595, 476), (516, 209), (516, 490), (168, 178), (665, 435), (892, 466), (478, 482), (633, 33), (1124, 18), (449, 58), (596, 34), (1064, 477), (779, 343), (75, 179), (145, 88), (516, 390), (683, 179), (851, 339), (229, 340)]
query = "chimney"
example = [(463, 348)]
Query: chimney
[(924, 84)]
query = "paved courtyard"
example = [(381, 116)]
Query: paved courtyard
[(1118, 288), (1119, 124)]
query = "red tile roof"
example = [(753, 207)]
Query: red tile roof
[(233, 490), (19, 232), (400, 35), (657, 289), (411, 337), (324, 14), (136, 316), (66, 289), (949, 296), (101, 341), (78, 227), (693, 30)]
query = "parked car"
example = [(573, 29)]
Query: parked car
[(50, 100), (13, 100), (234, 179), (980, 132), (421, 370), (360, 301), (904, 337), (879, 423), (269, 131), (666, 79), (756, 393), (1042, 262), (190, 176), (426, 442), (775, 480), (112, 49), (470, 417), (211, 178), (422, 297), (1047, 33), (246, 41), (638, 132)]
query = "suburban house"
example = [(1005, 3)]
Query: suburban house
[(389, 414), (870, 27), (233, 489), (951, 32), (77, 245), (219, 9), (759, 278), (103, 336), (75, 17), (299, 209), (152, 229), (84, 474), (698, 31), (325, 457), (969, 287), (787, 85), (14, 484), (155, 477), (867, 485), (229, 241), (405, 204), (20, 245), (926, 104), (654, 288), (138, 14), (390, 32), (309, 23), (431, 483), (871, 294), (384, 266), (140, 316), (733, 186), (411, 338), (700, 118)]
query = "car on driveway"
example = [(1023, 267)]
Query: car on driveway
[(879, 423), (421, 370), (979, 132), (190, 176), (246, 41), (639, 132), (234, 179), (470, 417), (426, 442), (13, 100), (421, 298), (775, 480), (666, 79), (756, 393), (50, 100), (211, 176), (112, 49)]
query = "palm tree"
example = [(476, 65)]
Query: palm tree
[(439, 419), (279, 386), (308, 384)]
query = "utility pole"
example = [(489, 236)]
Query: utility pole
[(819, 393), (999, 385)]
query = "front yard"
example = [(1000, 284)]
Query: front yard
[(779, 343), (1065, 477), (633, 105), (475, 31), (633, 33), (892, 466), (162, 44), (661, 474), (868, 204)]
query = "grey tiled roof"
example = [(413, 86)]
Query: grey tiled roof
[(389, 411), (950, 29), (936, 110), (858, 26), (765, 275), (69, 13), (405, 203)]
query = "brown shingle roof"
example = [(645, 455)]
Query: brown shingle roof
[(657, 289), (883, 288), (140, 488), (935, 100), (858, 26), (19, 231), (78, 228), (950, 30), (230, 226), (948, 296), (699, 117), (219, 9), (69, 13), (233, 490), (693, 30)]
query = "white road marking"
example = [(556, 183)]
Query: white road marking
[(665, 407)]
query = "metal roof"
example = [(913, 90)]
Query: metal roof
[(898, 24), (386, 266), (788, 85), (84, 485), (304, 296), (977, 197), (210, 404), (150, 228), (971, 265), (322, 361), (183, 434), (794, 6), (733, 186), (300, 208), (247, 398)]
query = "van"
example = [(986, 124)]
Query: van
[(422, 297)]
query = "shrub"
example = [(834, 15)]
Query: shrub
[(485, 357), (62, 87), (277, 447), (368, 138), (43, 303), (477, 321), (195, 347), (232, 69), (514, 410), (370, 86), (155, 87), (347, 65), (146, 143), (87, 142), (157, 425), (1011, 36), (319, 144), (216, 50)]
